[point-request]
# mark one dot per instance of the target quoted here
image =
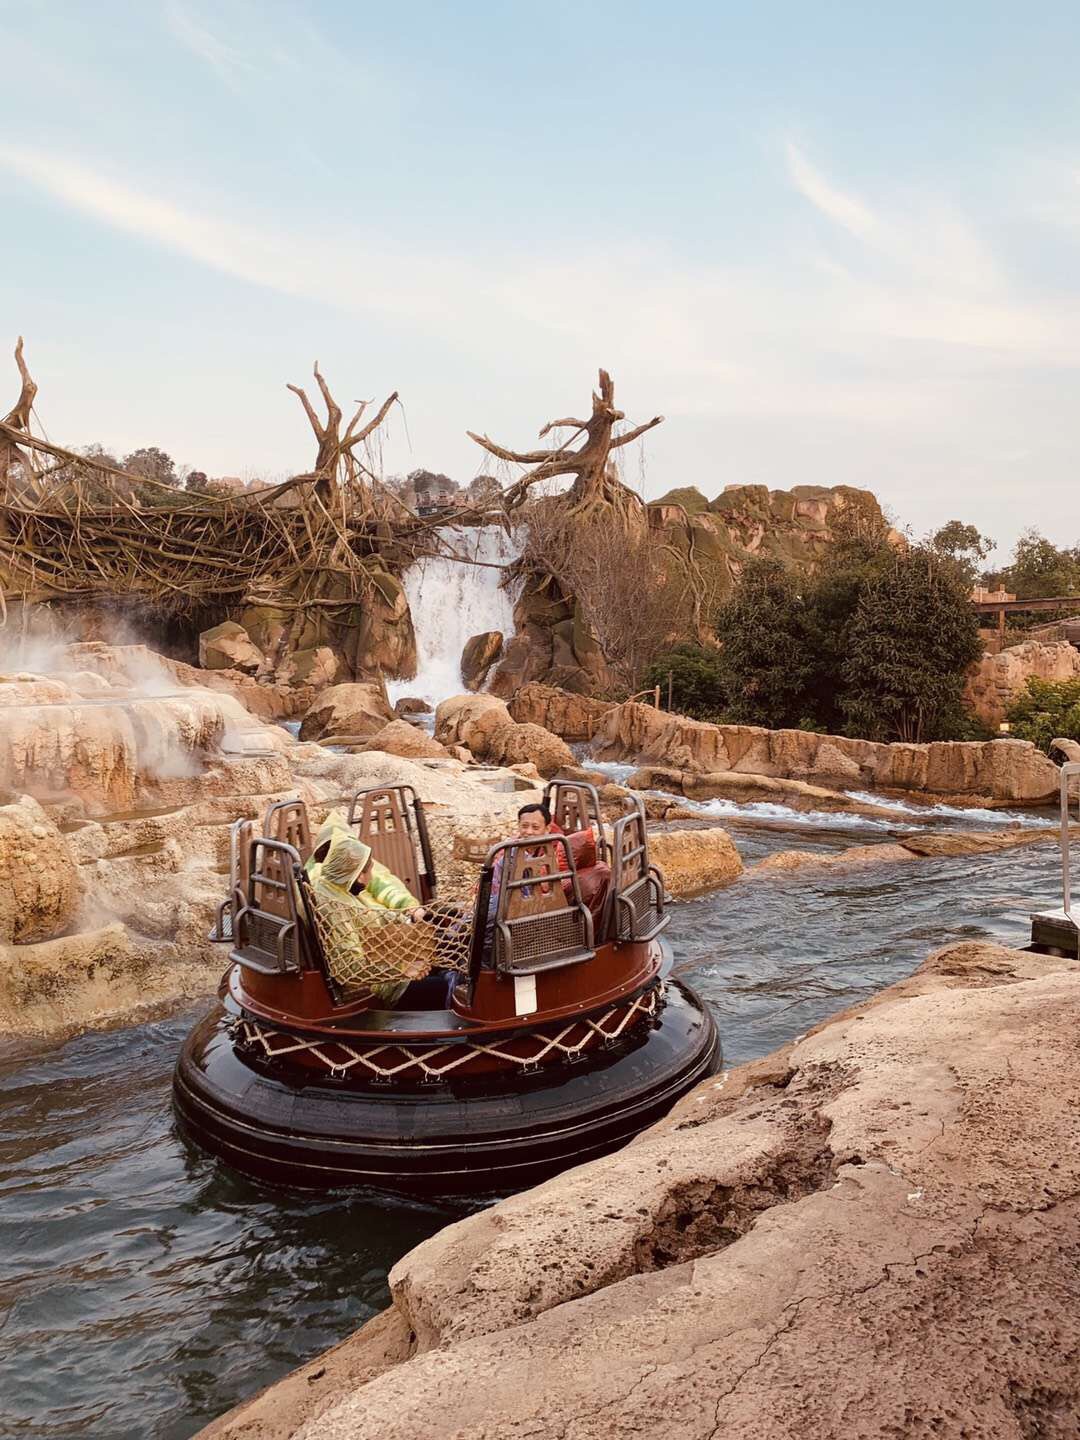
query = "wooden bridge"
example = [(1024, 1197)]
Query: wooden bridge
[(1001, 608)]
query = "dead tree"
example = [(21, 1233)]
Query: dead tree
[(17, 420), (595, 483), (336, 462)]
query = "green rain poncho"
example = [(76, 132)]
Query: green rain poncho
[(366, 937)]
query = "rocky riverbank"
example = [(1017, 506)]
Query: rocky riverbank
[(872, 1231)]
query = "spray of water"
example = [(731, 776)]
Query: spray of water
[(451, 602)]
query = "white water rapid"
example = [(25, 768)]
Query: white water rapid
[(451, 602)]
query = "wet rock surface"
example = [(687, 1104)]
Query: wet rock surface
[(873, 1231)]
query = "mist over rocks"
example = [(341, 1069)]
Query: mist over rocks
[(124, 778)]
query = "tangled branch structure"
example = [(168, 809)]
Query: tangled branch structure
[(595, 482), (75, 527)]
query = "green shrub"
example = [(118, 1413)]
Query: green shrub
[(695, 680), (1046, 710)]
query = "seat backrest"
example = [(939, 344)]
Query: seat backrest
[(268, 932), (390, 819), (574, 806), (637, 890), (240, 832), (287, 822), (541, 921)]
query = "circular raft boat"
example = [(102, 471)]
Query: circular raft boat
[(559, 1033)]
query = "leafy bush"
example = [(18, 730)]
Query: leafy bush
[(875, 644), (1046, 710), (696, 688)]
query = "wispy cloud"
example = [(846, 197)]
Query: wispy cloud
[(920, 234), (821, 340), (195, 35), (835, 204)]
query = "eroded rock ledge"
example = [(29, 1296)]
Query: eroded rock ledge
[(872, 1232)]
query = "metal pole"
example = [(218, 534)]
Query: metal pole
[(670, 682), (1068, 772)]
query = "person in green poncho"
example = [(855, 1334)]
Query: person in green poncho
[(354, 895)]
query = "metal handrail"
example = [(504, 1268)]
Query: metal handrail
[(1068, 772)]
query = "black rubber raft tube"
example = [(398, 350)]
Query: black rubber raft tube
[(475, 1137)]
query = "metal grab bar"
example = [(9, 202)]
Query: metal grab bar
[(1069, 772)]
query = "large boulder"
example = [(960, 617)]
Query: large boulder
[(317, 667), (483, 724), (54, 742), (359, 709), (479, 655), (400, 738), (229, 647), (574, 717), (693, 861), (39, 887)]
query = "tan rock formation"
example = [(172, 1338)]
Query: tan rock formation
[(994, 683), (479, 655), (996, 772), (39, 887), (482, 723), (693, 861), (573, 717), (872, 1232), (401, 738), (317, 667), (355, 709), (229, 647)]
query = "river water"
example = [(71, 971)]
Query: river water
[(143, 1290)]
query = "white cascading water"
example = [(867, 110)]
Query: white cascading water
[(450, 603)]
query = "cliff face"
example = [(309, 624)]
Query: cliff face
[(553, 644), (745, 522), (996, 681)]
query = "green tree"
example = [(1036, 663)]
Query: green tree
[(964, 546), (696, 684), (766, 660), (152, 464), (911, 639), (1046, 710), (1040, 569)]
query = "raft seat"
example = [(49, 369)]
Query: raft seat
[(287, 822), (269, 933), (240, 836), (574, 806), (637, 888), (390, 818), (537, 925)]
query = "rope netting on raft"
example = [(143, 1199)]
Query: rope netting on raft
[(380, 949)]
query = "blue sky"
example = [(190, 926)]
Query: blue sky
[(831, 243)]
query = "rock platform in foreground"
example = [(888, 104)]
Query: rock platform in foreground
[(873, 1232)]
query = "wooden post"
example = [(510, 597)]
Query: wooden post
[(656, 697), (670, 682), (1001, 626)]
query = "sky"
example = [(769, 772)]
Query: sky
[(831, 244)]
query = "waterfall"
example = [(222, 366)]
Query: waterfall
[(450, 602)]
